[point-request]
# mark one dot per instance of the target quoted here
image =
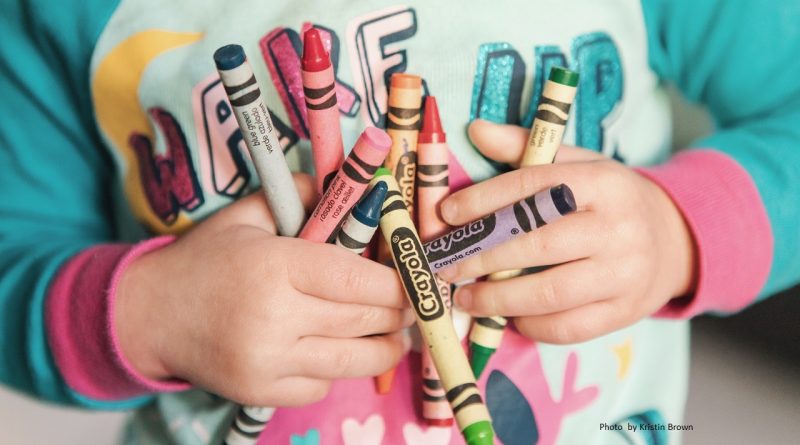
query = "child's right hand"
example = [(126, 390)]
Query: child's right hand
[(256, 318)]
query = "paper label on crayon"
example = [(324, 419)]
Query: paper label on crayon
[(405, 174), (340, 193), (461, 238), (416, 274), (543, 144), (259, 126)]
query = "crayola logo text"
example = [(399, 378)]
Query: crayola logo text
[(460, 239), (416, 275)]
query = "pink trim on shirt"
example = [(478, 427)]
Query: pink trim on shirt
[(79, 320), (722, 206)]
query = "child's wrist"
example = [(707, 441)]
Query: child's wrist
[(680, 254), (135, 307)]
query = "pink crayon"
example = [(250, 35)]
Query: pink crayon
[(319, 87), (347, 186)]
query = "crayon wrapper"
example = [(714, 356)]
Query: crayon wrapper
[(433, 318), (548, 127), (404, 165), (474, 238), (404, 130), (485, 336)]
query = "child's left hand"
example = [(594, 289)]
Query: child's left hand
[(621, 257)]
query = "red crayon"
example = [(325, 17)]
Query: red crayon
[(347, 187), (432, 187), (319, 87)]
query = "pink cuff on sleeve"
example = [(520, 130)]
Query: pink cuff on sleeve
[(80, 328), (731, 229)]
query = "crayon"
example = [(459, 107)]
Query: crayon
[(485, 337), (347, 186), (433, 319), (261, 139), (552, 113), (363, 221), (247, 425), (433, 186), (503, 225), (403, 121), (546, 135), (319, 87)]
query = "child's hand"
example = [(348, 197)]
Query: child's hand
[(624, 255), (259, 319)]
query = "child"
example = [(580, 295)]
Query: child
[(115, 135)]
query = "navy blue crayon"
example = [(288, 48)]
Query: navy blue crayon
[(360, 226)]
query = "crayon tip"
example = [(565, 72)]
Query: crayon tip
[(403, 80), (563, 76), (383, 171), (479, 357), (431, 132), (439, 422), (229, 57), (315, 58), (368, 210), (383, 382), (479, 433), (377, 138), (563, 199)]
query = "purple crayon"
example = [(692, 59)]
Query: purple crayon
[(501, 226)]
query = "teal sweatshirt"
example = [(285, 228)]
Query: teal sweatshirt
[(114, 129)]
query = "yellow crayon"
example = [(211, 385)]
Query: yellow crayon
[(433, 319)]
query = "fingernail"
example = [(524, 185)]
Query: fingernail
[(449, 209), (463, 298)]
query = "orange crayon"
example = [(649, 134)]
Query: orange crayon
[(402, 125)]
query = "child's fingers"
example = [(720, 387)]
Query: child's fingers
[(503, 143), (573, 238), (570, 153), (338, 320), (493, 194), (307, 189), (292, 391), (506, 143), (329, 272), (579, 324), (252, 210), (329, 358), (550, 291)]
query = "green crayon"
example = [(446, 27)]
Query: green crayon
[(547, 131)]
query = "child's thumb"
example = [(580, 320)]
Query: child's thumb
[(506, 143), (502, 143)]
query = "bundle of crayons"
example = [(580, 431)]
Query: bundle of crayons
[(357, 197)]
